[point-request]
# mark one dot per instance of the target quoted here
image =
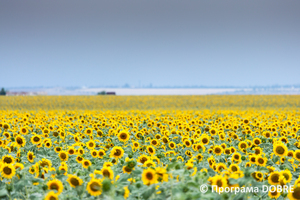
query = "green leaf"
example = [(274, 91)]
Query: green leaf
[(148, 192), (3, 193)]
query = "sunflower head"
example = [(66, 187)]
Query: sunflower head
[(8, 171), (149, 176), (74, 181), (274, 178), (55, 185), (94, 187)]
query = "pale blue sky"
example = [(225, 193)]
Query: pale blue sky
[(91, 43)]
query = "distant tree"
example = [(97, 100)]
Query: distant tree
[(101, 93), (2, 92)]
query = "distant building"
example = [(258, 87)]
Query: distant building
[(25, 93), (110, 93)]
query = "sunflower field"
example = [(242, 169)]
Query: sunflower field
[(149, 147)]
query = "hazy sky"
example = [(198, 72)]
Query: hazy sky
[(163, 42)]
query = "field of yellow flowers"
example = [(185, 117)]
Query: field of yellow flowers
[(149, 147)]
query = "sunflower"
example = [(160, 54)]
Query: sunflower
[(6, 126), (90, 144), (123, 136), (219, 181), (94, 187), (295, 193), (280, 149), (51, 196), (151, 150), (81, 151), (204, 139), (162, 175), (149, 176), (287, 175), (261, 161), (57, 149), (63, 155), (135, 145), (107, 164), (74, 181), (24, 131), (234, 168), (32, 169), (8, 171), (165, 139), (36, 139), (172, 145), (55, 185), (221, 167), (101, 153), (19, 166), (63, 168), (7, 135), (20, 140), (149, 163), (154, 142), (187, 143), (218, 150), (290, 153), (180, 158), (45, 163), (117, 152), (107, 172), (256, 141), (243, 145), (297, 154), (213, 131), (274, 178), (94, 153), (8, 159), (48, 144), (126, 192), (198, 147), (88, 131), (257, 150), (236, 157), (259, 176), (71, 150), (79, 159), (252, 159), (127, 169), (274, 194), (86, 163)]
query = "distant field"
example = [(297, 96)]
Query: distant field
[(181, 102), (149, 147)]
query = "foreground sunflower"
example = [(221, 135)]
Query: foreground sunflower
[(219, 182), (36, 139), (274, 178), (8, 159), (107, 172), (51, 196), (117, 152), (74, 180), (86, 163), (8, 171), (123, 136), (20, 140), (149, 176), (55, 185), (295, 193), (280, 149), (63, 155), (94, 187)]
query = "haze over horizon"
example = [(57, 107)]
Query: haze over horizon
[(163, 43)]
